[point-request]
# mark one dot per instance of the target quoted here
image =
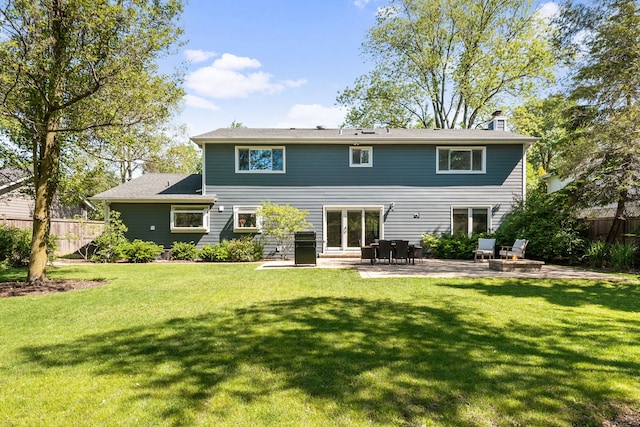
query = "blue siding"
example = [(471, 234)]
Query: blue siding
[(328, 165), (139, 217)]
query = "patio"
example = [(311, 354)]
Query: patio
[(442, 268)]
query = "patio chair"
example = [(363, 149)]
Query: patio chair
[(516, 251), (384, 251), (366, 252), (401, 251), (486, 249)]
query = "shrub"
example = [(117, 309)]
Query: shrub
[(215, 253), (597, 254), (140, 251), (548, 222), (447, 246), (110, 244), (244, 249), (15, 245), (184, 251), (622, 256)]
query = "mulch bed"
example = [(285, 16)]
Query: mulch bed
[(51, 286)]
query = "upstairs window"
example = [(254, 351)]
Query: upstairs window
[(189, 219), (260, 159), (461, 160), (360, 157)]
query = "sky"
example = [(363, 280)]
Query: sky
[(276, 63), (271, 63)]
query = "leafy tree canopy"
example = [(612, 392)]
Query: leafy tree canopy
[(70, 67), (448, 60)]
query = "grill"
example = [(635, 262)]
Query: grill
[(305, 247)]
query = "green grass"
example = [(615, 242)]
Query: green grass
[(226, 345)]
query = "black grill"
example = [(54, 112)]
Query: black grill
[(305, 247)]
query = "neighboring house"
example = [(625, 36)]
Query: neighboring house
[(358, 185), (16, 202)]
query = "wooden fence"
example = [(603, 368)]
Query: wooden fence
[(599, 228), (71, 234)]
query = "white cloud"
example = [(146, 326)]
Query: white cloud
[(361, 3), (548, 11), (230, 77), (312, 115), (197, 102), (195, 56)]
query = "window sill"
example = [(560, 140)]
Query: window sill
[(189, 230)]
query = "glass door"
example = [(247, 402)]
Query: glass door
[(350, 228)]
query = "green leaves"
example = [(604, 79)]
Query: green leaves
[(452, 59)]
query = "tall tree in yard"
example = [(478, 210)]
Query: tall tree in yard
[(605, 156), (73, 66), (448, 60)]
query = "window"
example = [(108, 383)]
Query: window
[(259, 159), (189, 219), (470, 220), (461, 160), (245, 219), (360, 157)]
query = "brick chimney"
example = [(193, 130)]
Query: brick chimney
[(498, 122)]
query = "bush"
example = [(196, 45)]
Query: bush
[(447, 246), (215, 253), (622, 256), (110, 244), (548, 222), (244, 249), (597, 254), (184, 251), (15, 245), (140, 251)]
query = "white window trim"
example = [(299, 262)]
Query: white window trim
[(204, 210), (361, 165), (261, 147), (469, 209), (461, 148), (245, 210)]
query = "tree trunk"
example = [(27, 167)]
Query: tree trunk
[(617, 227), (45, 180)]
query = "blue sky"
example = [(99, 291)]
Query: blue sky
[(271, 63), (277, 63)]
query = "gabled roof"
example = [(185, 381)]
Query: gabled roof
[(360, 136), (11, 177), (159, 188)]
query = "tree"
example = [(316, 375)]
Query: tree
[(177, 158), (605, 156), (72, 66), (452, 59), (280, 222), (547, 120)]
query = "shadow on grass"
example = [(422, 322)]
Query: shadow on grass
[(390, 362), (619, 296)]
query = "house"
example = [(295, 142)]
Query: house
[(357, 184), (17, 202)]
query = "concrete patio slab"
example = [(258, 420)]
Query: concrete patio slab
[(440, 268)]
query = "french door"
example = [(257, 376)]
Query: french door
[(347, 229)]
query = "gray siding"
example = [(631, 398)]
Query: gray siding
[(139, 217), (318, 176)]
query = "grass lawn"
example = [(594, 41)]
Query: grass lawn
[(225, 345)]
